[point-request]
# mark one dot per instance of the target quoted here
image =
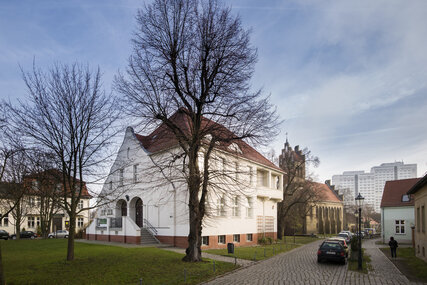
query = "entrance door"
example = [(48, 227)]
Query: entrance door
[(138, 213), (57, 224), (124, 209)]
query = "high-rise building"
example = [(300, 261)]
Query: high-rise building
[(371, 184)]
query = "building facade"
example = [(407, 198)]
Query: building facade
[(371, 185), (241, 204), (397, 210), (419, 191)]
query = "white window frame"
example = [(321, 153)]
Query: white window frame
[(205, 240), (31, 222), (221, 239), (80, 205), (220, 209), (80, 222), (399, 225), (235, 206), (249, 237), (249, 209), (236, 238)]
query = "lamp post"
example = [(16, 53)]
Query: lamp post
[(359, 203)]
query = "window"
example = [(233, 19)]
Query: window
[(249, 237), (250, 175), (80, 205), (236, 238), (38, 201), (400, 226), (80, 222), (31, 201), (35, 184), (423, 219), (38, 221), (205, 240), (121, 171), (109, 212), (221, 239), (249, 207), (5, 221), (418, 220), (103, 211), (235, 206), (135, 173), (30, 222), (220, 210), (406, 198)]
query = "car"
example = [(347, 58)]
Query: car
[(350, 233), (362, 234), (59, 234), (25, 234), (342, 242), (346, 236), (4, 235), (331, 251)]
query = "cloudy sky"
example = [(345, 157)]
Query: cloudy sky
[(348, 77)]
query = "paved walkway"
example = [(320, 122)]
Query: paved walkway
[(300, 266)]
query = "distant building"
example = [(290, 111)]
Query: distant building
[(371, 185), (397, 210), (419, 190)]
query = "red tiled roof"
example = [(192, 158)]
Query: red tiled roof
[(163, 138), (325, 194), (394, 190)]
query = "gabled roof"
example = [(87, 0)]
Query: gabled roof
[(394, 190), (163, 138), (325, 194), (421, 183)]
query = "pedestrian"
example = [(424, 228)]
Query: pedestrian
[(393, 246)]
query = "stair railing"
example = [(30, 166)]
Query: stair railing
[(152, 229)]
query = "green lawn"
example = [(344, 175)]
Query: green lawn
[(366, 264), (409, 264), (43, 262), (263, 252)]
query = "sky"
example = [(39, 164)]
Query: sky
[(349, 78)]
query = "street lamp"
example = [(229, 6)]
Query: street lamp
[(359, 203)]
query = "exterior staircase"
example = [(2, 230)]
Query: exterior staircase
[(147, 237)]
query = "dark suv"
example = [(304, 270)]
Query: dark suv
[(4, 235), (25, 234), (331, 250)]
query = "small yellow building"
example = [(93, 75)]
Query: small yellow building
[(419, 190)]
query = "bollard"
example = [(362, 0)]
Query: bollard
[(185, 275), (214, 266), (140, 281)]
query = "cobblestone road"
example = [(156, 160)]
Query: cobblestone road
[(300, 266)]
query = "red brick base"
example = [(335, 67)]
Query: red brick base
[(114, 238)]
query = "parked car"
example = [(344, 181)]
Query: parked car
[(350, 233), (4, 235), (25, 234), (362, 234), (331, 251), (369, 232), (346, 236), (59, 234), (342, 242)]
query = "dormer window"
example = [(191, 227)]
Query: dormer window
[(406, 198), (234, 147)]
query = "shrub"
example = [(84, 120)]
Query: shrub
[(269, 240), (262, 241)]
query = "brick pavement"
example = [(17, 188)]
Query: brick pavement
[(300, 266)]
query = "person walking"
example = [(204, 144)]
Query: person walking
[(393, 246)]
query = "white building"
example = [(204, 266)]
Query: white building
[(371, 185), (153, 200), (397, 210)]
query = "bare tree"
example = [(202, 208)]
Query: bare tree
[(68, 115), (297, 188), (195, 56)]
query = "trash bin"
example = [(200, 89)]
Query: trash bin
[(230, 247)]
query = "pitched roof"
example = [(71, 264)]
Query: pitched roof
[(163, 138), (394, 190), (422, 182), (325, 194)]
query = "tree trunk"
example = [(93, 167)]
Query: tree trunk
[(70, 248), (194, 252), (280, 222), (2, 279)]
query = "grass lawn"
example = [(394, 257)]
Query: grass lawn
[(43, 262), (263, 252), (366, 264), (414, 268)]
